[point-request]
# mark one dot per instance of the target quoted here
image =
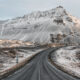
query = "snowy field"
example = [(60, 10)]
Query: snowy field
[(68, 59), (9, 59)]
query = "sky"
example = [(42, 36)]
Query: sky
[(15, 8)]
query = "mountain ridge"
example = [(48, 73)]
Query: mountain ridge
[(37, 27)]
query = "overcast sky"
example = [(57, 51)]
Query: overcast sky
[(14, 8)]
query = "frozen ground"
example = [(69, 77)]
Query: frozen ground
[(8, 58), (68, 59)]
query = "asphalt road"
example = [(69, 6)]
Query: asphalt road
[(39, 68)]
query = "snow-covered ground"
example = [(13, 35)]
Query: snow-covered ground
[(7, 60), (68, 59)]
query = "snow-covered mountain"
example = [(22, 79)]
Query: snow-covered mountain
[(41, 26)]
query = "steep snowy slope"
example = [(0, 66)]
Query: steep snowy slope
[(38, 27)]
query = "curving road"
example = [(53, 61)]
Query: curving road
[(40, 68)]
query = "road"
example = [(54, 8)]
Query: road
[(39, 68)]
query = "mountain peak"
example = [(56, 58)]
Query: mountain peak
[(58, 11), (60, 6)]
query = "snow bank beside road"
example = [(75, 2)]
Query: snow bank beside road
[(68, 59), (7, 61)]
